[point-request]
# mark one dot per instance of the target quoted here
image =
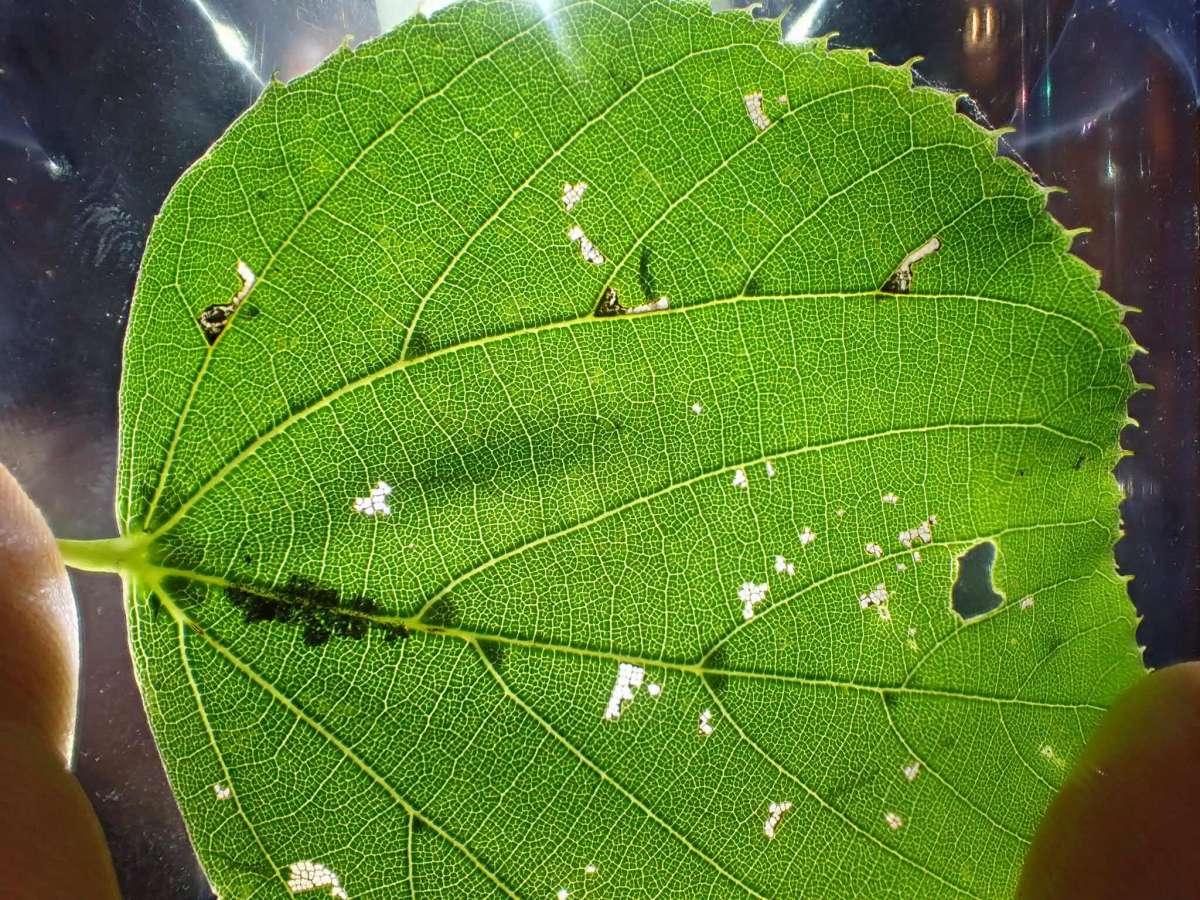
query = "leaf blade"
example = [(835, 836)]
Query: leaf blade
[(559, 506)]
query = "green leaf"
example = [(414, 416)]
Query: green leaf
[(661, 602)]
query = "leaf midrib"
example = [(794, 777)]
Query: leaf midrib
[(211, 349), (254, 677), (581, 321), (155, 576), (366, 149), (318, 205), (413, 812)]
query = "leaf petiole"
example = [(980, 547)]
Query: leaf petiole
[(116, 555)]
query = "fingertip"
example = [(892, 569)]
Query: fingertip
[(39, 627), (51, 844), (1126, 823)]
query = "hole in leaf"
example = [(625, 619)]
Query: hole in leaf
[(901, 280), (973, 593), (213, 320), (610, 305)]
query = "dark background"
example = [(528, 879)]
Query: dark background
[(104, 103)]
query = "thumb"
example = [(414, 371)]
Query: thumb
[(1126, 823), (51, 845)]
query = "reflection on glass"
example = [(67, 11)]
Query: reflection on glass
[(231, 41), (981, 30), (802, 28)]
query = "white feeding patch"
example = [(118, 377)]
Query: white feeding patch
[(891, 498), (782, 565), (916, 555), (697, 408), (740, 480), (572, 194), (248, 278), (222, 792), (893, 820), (629, 679), (912, 770), (653, 306), (923, 533), (375, 504), (214, 319), (1052, 756), (902, 280), (590, 870), (307, 875), (563, 894), (653, 689), (706, 725), (770, 469), (901, 567), (610, 303), (754, 109), (1026, 603), (586, 247), (878, 596), (807, 536), (776, 812), (751, 595), (874, 550)]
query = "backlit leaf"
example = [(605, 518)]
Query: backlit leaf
[(550, 437)]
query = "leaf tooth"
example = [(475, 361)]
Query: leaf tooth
[(823, 40), (1049, 189), (1072, 233)]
